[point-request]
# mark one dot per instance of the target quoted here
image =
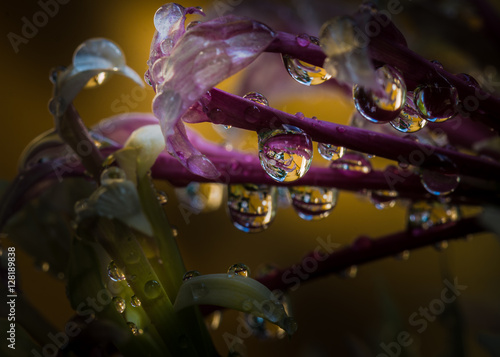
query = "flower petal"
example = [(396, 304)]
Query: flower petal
[(203, 57), (234, 292)]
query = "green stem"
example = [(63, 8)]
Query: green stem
[(121, 244)]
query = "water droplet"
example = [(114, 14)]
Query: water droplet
[(256, 97), (424, 214), (112, 174), (467, 78), (362, 243), (239, 269), (132, 257), (330, 152), (120, 304), (192, 24), (115, 273), (285, 154), (313, 203), (442, 245), (45, 267), (353, 164), (227, 127), (341, 129), (152, 289), (385, 105), (55, 72), (303, 40), (97, 80), (383, 198), (190, 274), (216, 116), (252, 114), (134, 301), (409, 120), (436, 103), (175, 231), (300, 115), (303, 72), (162, 197), (199, 291), (251, 207), (437, 64), (440, 177), (404, 255), (135, 330), (201, 197), (350, 272)]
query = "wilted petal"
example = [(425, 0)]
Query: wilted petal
[(206, 55)]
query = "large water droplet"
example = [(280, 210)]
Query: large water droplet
[(313, 203), (386, 104), (115, 273), (424, 214), (120, 304), (135, 330), (285, 154), (251, 207), (353, 164), (441, 177), (436, 103), (152, 289), (303, 72), (239, 269), (134, 301), (330, 152), (190, 274), (383, 198), (409, 120)]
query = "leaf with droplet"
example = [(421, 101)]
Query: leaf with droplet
[(235, 292)]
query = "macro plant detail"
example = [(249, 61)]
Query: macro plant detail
[(112, 239)]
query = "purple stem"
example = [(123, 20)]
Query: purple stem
[(415, 68), (245, 114), (364, 250)]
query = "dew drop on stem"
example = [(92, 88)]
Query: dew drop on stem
[(238, 269), (313, 203)]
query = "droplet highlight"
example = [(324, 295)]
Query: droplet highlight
[(120, 304), (135, 301), (352, 164), (409, 120), (115, 273), (303, 72), (330, 152)]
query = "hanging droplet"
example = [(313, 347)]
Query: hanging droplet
[(383, 198), (213, 320), (353, 164), (442, 245), (134, 301), (284, 199), (436, 103), (97, 80), (135, 330), (330, 152), (404, 255), (441, 178), (285, 154), (190, 274), (152, 289), (303, 40), (350, 272), (112, 174), (115, 273), (313, 203), (257, 98), (303, 72), (424, 214), (251, 207), (201, 197), (162, 197), (239, 269), (120, 304), (385, 105), (409, 120)]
